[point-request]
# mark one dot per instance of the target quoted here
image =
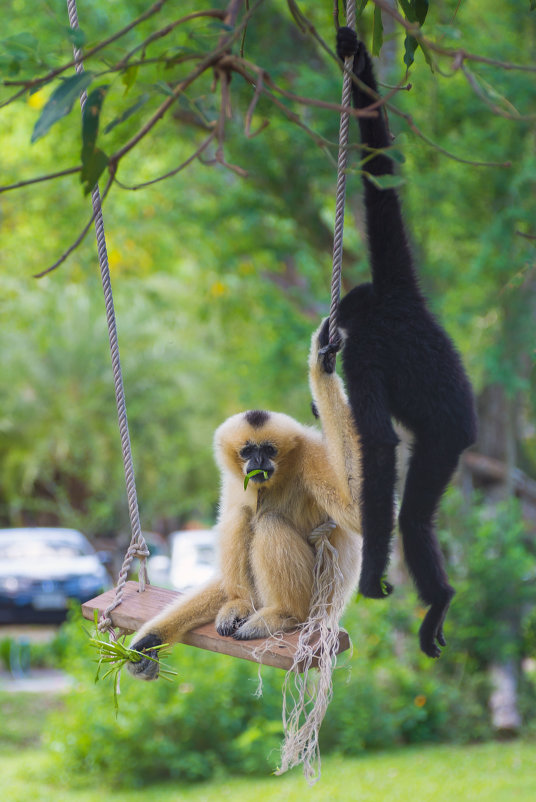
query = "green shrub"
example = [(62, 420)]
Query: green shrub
[(209, 719)]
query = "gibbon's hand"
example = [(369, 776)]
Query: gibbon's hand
[(327, 350), (349, 45), (374, 588), (146, 669)]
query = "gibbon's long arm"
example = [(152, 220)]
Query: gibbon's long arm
[(399, 363), (390, 254), (337, 485)]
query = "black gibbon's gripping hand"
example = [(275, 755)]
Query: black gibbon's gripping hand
[(146, 669), (347, 43), (327, 350)]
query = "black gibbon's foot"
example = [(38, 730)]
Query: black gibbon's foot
[(375, 588), (146, 668), (431, 631)]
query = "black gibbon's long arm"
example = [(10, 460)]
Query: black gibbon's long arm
[(399, 363), (390, 254)]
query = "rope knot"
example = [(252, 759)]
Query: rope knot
[(321, 533)]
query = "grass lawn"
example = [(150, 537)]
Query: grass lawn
[(494, 772)]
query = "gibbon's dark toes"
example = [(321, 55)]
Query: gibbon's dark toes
[(375, 588), (146, 668), (242, 635), (440, 637), (347, 42), (229, 627), (430, 634)]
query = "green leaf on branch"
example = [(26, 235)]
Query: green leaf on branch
[(377, 33), (94, 163), (19, 51), (91, 116), (421, 10), (60, 103), (410, 46), (407, 8), (387, 181), (94, 160), (128, 78), (77, 37), (360, 7), (127, 113)]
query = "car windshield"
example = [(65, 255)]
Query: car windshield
[(39, 549), (205, 554)]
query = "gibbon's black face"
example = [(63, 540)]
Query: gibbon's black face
[(259, 457)]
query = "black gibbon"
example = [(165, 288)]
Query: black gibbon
[(305, 479), (399, 363)]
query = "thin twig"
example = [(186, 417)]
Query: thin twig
[(416, 130), (49, 177), (171, 173), (458, 54), (154, 9), (475, 86), (213, 12), (80, 237), (204, 65)]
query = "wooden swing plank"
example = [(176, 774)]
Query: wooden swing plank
[(137, 608)]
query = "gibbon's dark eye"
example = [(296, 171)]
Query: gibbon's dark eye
[(269, 450), (247, 451)]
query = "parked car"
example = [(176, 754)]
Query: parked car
[(42, 568), (193, 557)]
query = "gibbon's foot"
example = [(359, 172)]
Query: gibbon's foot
[(375, 587), (431, 630), (263, 624), (146, 668), (232, 615)]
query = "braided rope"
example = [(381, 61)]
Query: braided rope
[(340, 195), (138, 547)]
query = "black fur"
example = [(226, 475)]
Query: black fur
[(257, 417), (147, 668), (398, 362)]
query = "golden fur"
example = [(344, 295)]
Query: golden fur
[(266, 565)]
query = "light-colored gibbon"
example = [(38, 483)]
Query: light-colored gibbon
[(306, 478)]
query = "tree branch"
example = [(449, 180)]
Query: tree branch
[(80, 237), (459, 55), (171, 173), (49, 177), (154, 9)]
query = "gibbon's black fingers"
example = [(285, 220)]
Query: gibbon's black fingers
[(347, 42), (327, 350), (146, 669), (373, 588), (314, 410)]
